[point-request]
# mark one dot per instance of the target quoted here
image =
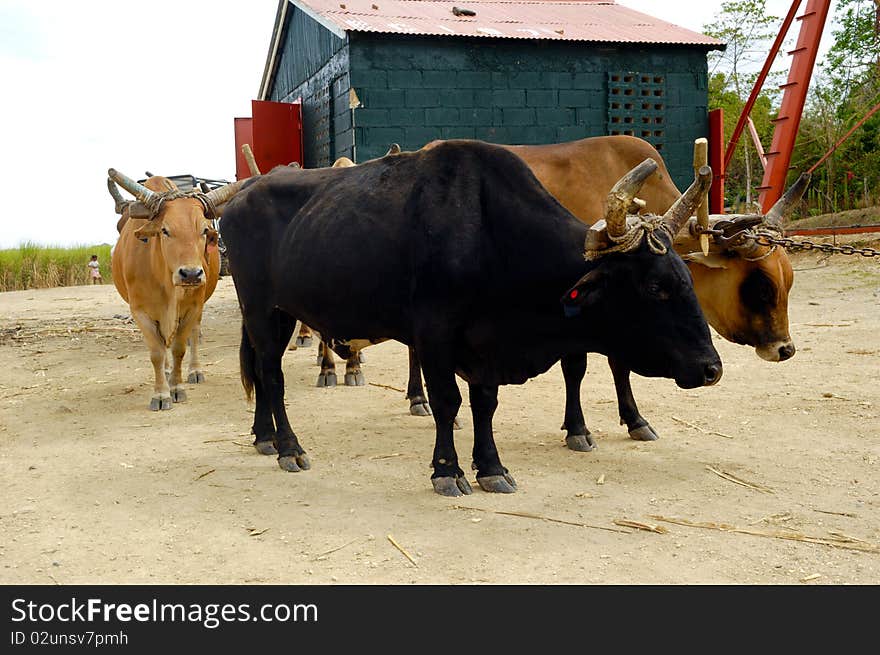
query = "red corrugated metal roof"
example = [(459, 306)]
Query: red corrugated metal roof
[(574, 20)]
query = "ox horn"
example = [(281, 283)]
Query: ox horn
[(250, 159), (787, 202), (622, 194), (393, 150), (136, 189), (119, 201), (683, 208), (218, 196)]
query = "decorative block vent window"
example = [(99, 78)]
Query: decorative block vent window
[(322, 125), (637, 106)]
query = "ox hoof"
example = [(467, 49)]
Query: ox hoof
[(361, 357), (265, 447), (582, 443), (644, 433), (294, 463), (305, 342), (326, 380), (160, 403), (452, 487), (195, 377), (497, 484), (354, 379), (178, 395), (420, 409)]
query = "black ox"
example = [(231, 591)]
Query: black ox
[(452, 251)]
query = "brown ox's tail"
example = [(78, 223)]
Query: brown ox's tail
[(247, 358)]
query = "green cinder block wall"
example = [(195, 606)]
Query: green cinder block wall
[(414, 89)]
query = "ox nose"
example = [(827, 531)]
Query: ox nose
[(786, 352), (712, 373), (191, 275)]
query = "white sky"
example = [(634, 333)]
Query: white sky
[(136, 86)]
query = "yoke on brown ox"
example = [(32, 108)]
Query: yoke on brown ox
[(742, 287), (165, 266)]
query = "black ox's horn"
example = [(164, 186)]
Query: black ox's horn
[(621, 196), (683, 208)]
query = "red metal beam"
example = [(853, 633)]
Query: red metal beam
[(849, 229), (716, 161), (793, 98), (759, 83)]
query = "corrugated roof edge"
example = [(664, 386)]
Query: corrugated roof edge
[(281, 13)]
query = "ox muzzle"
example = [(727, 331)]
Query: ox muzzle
[(189, 276), (701, 376), (777, 351)]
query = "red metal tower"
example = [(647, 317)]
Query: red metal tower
[(793, 98), (789, 118)]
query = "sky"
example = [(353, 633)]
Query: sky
[(155, 86)]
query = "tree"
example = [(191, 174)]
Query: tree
[(846, 87), (746, 29)]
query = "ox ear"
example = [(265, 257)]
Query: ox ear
[(151, 229), (712, 260), (584, 293), (212, 238)]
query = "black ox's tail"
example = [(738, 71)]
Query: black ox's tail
[(247, 358)]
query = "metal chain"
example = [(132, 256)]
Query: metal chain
[(798, 246)]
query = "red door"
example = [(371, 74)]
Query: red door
[(274, 134), (244, 133)]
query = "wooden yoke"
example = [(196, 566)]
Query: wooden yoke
[(701, 158)]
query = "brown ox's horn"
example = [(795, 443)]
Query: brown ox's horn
[(136, 189), (683, 208), (218, 196), (117, 197), (786, 203), (393, 150), (622, 194)]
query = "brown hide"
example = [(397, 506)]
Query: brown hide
[(580, 174), (148, 277)]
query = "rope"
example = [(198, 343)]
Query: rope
[(845, 137), (155, 202), (632, 238)]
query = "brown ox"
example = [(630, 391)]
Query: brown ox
[(742, 287), (165, 266), (743, 292)]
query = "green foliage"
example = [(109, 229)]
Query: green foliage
[(846, 87), (744, 26), (747, 30), (32, 266)]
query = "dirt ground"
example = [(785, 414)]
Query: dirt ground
[(97, 489)]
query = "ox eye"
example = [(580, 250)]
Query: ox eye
[(654, 289), (166, 232)]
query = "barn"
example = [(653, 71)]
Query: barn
[(374, 72)]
